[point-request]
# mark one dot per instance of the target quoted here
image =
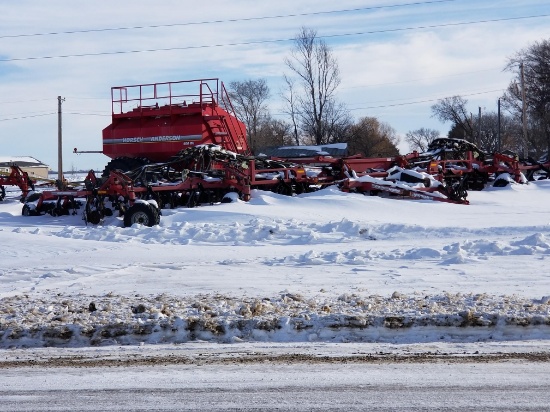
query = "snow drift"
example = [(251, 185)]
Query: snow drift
[(319, 267)]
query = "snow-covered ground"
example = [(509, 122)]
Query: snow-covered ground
[(319, 268)]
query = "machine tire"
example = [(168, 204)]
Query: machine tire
[(94, 217), (141, 213), (157, 213), (500, 182), (27, 211)]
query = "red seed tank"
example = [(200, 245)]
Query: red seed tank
[(153, 122)]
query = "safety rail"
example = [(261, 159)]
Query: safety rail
[(141, 97), (235, 126)]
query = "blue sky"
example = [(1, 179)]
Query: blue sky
[(396, 57)]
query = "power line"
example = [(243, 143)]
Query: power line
[(421, 101), (52, 113), (357, 108), (156, 26), (25, 101), (27, 113), (342, 88), (27, 117), (280, 114), (89, 114), (434, 26), (419, 79), (85, 98)]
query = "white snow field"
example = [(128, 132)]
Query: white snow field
[(318, 268)]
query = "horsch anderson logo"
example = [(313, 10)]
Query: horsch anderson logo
[(132, 140), (153, 139)]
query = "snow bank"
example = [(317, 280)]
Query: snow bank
[(319, 267), (70, 321)]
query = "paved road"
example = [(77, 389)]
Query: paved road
[(486, 386)]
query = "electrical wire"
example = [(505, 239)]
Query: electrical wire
[(25, 101), (362, 86), (27, 117), (156, 26), (89, 114), (249, 43), (422, 101), (281, 114)]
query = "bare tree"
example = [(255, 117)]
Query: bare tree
[(290, 107), (333, 128), (317, 71), (249, 99), (274, 132), (510, 133), (372, 138), (453, 109), (535, 61), (421, 138), (484, 131)]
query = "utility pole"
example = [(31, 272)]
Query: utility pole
[(523, 111), (499, 143), (472, 127), (60, 178), (479, 128)]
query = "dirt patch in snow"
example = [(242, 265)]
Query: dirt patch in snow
[(90, 361)]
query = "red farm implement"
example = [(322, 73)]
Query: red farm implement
[(16, 177), (181, 144), (152, 123)]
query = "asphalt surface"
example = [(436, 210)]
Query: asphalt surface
[(277, 382)]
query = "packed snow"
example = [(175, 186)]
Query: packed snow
[(325, 267)]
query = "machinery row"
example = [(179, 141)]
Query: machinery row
[(180, 144)]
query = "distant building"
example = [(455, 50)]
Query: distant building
[(35, 168)]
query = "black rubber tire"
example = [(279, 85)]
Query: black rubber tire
[(27, 211), (500, 182), (94, 217), (141, 213), (157, 215)]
